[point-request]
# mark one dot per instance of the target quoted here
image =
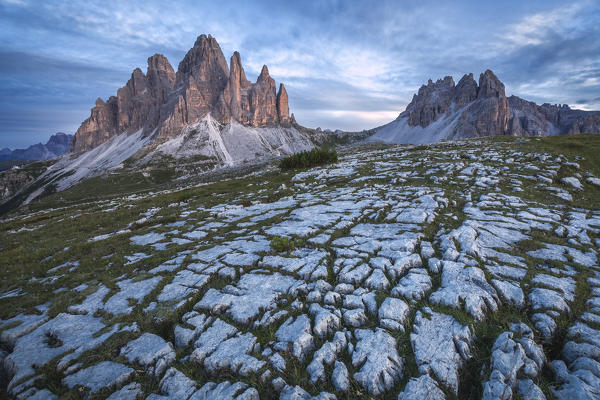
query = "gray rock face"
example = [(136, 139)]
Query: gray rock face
[(441, 345), (432, 100)]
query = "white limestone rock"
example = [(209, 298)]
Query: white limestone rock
[(128, 392), (377, 280), (422, 388), (377, 362), (441, 345), (102, 375), (150, 351), (402, 265), (253, 292), (210, 339), (26, 323), (297, 393), (325, 356), (541, 299), (514, 356), (393, 314), (295, 337), (355, 318), (325, 321), (339, 377), (462, 284), (573, 182), (511, 292), (119, 303), (235, 354), (414, 286), (75, 333)]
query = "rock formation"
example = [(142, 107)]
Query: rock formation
[(443, 110), (99, 127), (432, 101), (164, 102), (489, 113)]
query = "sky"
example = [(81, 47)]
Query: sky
[(346, 64)]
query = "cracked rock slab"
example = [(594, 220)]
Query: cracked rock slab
[(422, 388), (295, 335), (151, 352), (441, 345), (462, 284), (102, 375), (376, 359)]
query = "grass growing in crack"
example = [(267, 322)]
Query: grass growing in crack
[(473, 374), (281, 244)]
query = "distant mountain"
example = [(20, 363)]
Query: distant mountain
[(445, 111), (57, 145)]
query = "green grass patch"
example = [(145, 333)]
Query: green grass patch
[(308, 159)]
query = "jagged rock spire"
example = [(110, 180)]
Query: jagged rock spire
[(166, 101)]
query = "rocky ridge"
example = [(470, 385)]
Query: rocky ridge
[(443, 110), (163, 101)]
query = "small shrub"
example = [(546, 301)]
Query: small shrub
[(283, 244), (307, 159)]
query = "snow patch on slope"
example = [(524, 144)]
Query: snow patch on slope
[(399, 132), (233, 143), (71, 168)]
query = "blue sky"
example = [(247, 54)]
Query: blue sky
[(346, 64)]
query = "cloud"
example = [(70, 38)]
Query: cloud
[(346, 64), (536, 29)]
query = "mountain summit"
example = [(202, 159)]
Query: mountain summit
[(442, 110), (163, 102)]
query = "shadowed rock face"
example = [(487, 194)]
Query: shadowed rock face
[(432, 101), (163, 101), (488, 114)]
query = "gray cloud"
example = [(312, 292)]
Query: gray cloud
[(347, 64)]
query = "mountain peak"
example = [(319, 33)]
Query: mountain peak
[(490, 85), (167, 101), (159, 62), (264, 74)]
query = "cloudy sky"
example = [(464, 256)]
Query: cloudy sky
[(346, 64)]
